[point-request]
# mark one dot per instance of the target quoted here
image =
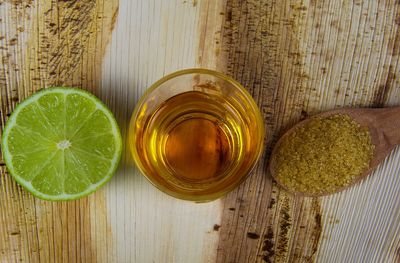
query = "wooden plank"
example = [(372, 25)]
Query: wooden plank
[(299, 58), (260, 48), (51, 43), (152, 39)]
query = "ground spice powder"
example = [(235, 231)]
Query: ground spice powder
[(324, 155)]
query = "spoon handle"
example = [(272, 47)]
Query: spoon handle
[(388, 121)]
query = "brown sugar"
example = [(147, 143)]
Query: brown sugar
[(323, 155)]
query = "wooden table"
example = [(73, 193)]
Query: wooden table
[(296, 57)]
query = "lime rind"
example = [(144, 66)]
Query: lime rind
[(62, 196)]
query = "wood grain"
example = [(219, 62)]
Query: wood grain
[(259, 43), (297, 58), (51, 43)]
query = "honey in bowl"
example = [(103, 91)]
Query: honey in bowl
[(196, 134)]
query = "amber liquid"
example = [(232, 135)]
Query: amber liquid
[(197, 149), (194, 140)]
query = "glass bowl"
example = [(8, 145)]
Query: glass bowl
[(196, 134)]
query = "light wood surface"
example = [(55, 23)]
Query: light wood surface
[(297, 58)]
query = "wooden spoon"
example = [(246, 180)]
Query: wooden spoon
[(384, 128)]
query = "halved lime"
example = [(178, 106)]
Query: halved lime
[(61, 144)]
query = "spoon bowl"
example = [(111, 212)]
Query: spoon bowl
[(384, 128)]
